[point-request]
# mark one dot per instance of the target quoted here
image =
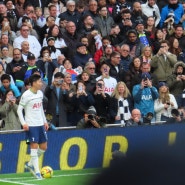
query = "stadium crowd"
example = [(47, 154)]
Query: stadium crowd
[(101, 61)]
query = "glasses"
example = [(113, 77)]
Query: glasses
[(92, 68)]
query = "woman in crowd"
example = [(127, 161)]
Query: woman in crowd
[(150, 27), (83, 100), (46, 64), (134, 69), (164, 104), (8, 112), (160, 35), (175, 49), (146, 55), (89, 84), (120, 104), (6, 29), (55, 32)]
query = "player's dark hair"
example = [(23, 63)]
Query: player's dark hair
[(5, 77), (34, 78)]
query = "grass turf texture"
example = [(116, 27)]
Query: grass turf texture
[(73, 177)]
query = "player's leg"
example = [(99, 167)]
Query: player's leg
[(42, 148)]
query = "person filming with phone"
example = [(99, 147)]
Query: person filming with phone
[(8, 112), (163, 62), (102, 100)]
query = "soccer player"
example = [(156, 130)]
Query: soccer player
[(34, 123)]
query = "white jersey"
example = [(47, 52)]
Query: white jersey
[(110, 84), (33, 108)]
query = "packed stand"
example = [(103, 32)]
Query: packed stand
[(102, 62)]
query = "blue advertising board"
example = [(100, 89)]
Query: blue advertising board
[(91, 148)]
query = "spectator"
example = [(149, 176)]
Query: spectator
[(6, 28), (47, 64), (12, 19), (119, 7), (126, 22), (173, 8), (5, 42), (137, 13), (150, 8), (100, 52), (116, 69), (145, 68), (146, 55), (35, 46), (55, 32), (5, 59), (144, 36), (19, 8), (29, 11), (163, 62), (15, 66), (71, 14), (109, 49), (90, 120), (110, 82), (179, 35), (71, 38), (115, 35), (175, 49), (92, 9), (67, 68), (88, 81), (7, 85), (60, 8), (83, 100), (144, 95), (104, 21), (135, 119), (55, 106), (134, 43), (40, 19), (160, 35), (120, 104), (102, 101), (25, 47), (164, 104), (70, 90), (81, 57), (176, 82), (55, 53), (90, 68), (126, 59), (8, 112), (134, 70), (150, 28)]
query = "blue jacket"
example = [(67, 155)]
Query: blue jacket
[(144, 98), (13, 88), (179, 11)]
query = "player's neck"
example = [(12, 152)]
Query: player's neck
[(33, 90)]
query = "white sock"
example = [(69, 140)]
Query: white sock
[(34, 160), (40, 152)]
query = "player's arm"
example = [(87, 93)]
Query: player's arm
[(45, 121), (21, 117)]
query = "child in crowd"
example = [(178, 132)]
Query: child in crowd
[(6, 85)]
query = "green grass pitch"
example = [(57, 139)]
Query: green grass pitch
[(60, 177)]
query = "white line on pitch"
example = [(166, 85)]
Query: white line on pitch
[(21, 183)]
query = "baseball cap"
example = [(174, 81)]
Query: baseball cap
[(162, 84), (146, 75), (30, 56)]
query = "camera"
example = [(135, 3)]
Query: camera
[(60, 82), (91, 116), (99, 85)]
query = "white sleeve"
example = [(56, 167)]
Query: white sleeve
[(20, 114)]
